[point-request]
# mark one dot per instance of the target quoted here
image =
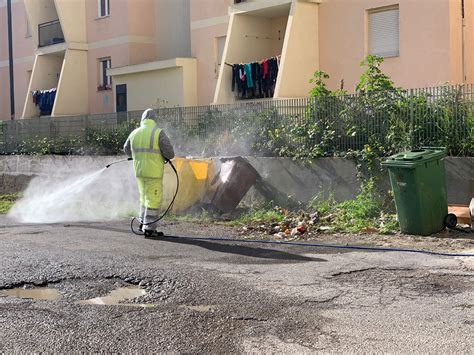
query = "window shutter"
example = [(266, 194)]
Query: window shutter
[(108, 79), (384, 32)]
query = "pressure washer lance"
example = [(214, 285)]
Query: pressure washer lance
[(165, 212), (116, 162)]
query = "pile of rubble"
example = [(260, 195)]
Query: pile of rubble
[(294, 226), (306, 224)]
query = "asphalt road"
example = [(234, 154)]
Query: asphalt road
[(226, 297)]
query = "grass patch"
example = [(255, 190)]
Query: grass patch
[(262, 216), (7, 201)]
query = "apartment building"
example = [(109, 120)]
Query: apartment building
[(116, 55), (63, 50), (423, 42)]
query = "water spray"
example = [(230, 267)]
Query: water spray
[(165, 212)]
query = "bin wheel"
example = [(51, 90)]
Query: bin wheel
[(451, 220)]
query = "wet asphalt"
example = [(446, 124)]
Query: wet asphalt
[(219, 297)]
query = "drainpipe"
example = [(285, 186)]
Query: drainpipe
[(463, 44), (10, 59)]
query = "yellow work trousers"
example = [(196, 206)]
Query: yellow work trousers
[(151, 193)]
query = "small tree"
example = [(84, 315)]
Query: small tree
[(373, 79), (369, 117), (320, 89)]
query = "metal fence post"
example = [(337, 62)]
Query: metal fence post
[(85, 125), (412, 118), (3, 138)]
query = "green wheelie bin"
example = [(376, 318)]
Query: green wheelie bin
[(418, 180)]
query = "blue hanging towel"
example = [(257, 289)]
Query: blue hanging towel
[(248, 74)]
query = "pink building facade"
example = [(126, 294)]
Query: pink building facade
[(117, 55), (423, 42), (91, 37), (125, 36), (209, 25)]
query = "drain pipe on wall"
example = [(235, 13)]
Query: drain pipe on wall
[(10, 59), (463, 49)]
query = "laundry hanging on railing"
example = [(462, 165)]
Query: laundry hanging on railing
[(255, 80), (44, 99)]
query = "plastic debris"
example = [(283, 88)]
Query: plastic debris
[(294, 232), (301, 229), (280, 235)]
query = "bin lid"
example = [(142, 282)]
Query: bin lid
[(415, 157)]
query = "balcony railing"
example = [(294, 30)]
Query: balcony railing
[(50, 33)]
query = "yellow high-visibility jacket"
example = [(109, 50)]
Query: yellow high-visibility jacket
[(148, 160)]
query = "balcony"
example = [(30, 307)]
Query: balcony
[(263, 29), (50, 33)]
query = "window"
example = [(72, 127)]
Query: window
[(104, 8), (105, 81), (383, 28)]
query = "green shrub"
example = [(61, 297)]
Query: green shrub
[(7, 201), (46, 146), (362, 212), (369, 210), (108, 141)]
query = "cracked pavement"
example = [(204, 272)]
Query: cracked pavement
[(226, 296)]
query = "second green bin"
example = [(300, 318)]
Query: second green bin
[(418, 180)]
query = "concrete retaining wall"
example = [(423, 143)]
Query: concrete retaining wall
[(339, 177), (460, 179), (282, 176), (323, 177)]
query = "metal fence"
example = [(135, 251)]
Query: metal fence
[(14, 134), (396, 120)]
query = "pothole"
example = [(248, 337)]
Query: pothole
[(47, 294), (114, 291), (115, 297), (409, 282)]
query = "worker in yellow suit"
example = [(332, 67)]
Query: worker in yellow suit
[(150, 148)]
